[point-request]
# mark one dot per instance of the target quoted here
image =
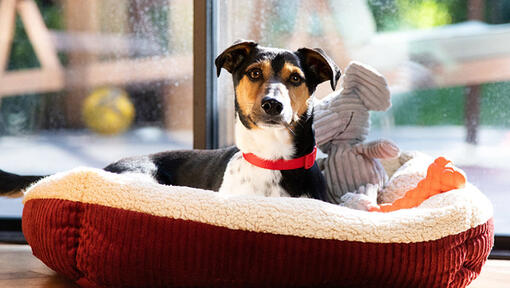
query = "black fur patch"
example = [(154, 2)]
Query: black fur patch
[(284, 57), (277, 63), (202, 169), (303, 181)]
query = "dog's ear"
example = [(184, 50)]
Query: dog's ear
[(234, 55), (320, 65)]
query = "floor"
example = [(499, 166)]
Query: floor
[(21, 269)]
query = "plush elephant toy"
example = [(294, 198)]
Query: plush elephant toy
[(352, 170)]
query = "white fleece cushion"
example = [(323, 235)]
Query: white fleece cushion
[(442, 215)]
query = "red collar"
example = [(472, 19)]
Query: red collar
[(306, 161)]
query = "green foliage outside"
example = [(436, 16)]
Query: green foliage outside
[(495, 104), (22, 53), (391, 15), (429, 107), (446, 107)]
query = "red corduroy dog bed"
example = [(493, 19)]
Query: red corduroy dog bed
[(108, 230)]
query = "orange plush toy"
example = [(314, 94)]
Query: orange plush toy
[(441, 177)]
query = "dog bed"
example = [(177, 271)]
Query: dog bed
[(107, 230)]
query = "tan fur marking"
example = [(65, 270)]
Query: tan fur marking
[(288, 69), (250, 93), (298, 95), (299, 99)]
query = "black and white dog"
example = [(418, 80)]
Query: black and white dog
[(275, 146)]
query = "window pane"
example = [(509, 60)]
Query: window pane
[(447, 63), (103, 80)]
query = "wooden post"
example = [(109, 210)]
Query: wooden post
[(178, 91), (38, 34), (476, 11), (79, 16), (7, 25), (472, 113)]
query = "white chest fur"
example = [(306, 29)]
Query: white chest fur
[(242, 177), (269, 143)]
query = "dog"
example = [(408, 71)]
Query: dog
[(275, 148)]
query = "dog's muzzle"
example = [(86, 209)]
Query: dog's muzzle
[(276, 104)]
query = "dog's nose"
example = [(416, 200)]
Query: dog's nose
[(272, 106)]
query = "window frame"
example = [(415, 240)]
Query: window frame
[(10, 230), (205, 84), (501, 248)]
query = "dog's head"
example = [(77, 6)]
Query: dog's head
[(273, 86)]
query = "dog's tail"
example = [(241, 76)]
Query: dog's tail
[(12, 185)]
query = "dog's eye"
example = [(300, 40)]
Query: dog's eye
[(254, 73), (295, 79)]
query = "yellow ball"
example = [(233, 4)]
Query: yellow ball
[(108, 111)]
